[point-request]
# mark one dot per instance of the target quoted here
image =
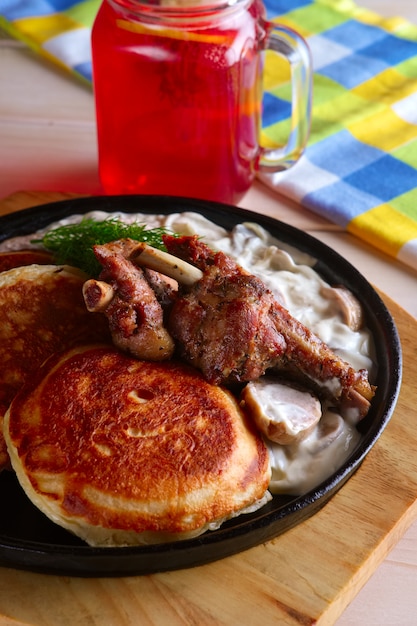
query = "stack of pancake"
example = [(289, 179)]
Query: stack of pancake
[(118, 451), (41, 311)]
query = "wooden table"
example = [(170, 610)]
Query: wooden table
[(48, 144)]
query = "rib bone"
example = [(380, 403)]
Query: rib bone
[(165, 263), (97, 295)]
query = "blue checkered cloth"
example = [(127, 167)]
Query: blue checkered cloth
[(359, 168)]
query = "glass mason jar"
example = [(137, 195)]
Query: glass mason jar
[(178, 90)]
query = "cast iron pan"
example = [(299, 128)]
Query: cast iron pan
[(28, 540)]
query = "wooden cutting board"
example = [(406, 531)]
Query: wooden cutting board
[(306, 576)]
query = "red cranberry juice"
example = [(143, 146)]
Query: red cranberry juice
[(177, 111)]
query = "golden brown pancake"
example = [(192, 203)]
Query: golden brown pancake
[(121, 451), (42, 311)]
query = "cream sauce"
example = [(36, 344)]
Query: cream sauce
[(298, 467)]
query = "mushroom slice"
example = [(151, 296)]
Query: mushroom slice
[(283, 413), (331, 426), (348, 304)]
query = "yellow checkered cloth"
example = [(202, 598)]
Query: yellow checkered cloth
[(359, 168)]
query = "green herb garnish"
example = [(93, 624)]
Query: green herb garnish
[(72, 244)]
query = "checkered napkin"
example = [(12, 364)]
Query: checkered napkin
[(360, 166), (58, 29)]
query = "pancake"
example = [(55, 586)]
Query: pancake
[(42, 311), (17, 258), (127, 452)]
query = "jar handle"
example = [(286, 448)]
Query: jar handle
[(290, 45)]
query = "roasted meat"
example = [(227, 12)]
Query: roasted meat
[(125, 296), (231, 327), (222, 320)]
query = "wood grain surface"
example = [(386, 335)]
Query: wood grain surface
[(306, 576)]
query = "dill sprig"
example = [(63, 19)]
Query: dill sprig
[(72, 244)]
